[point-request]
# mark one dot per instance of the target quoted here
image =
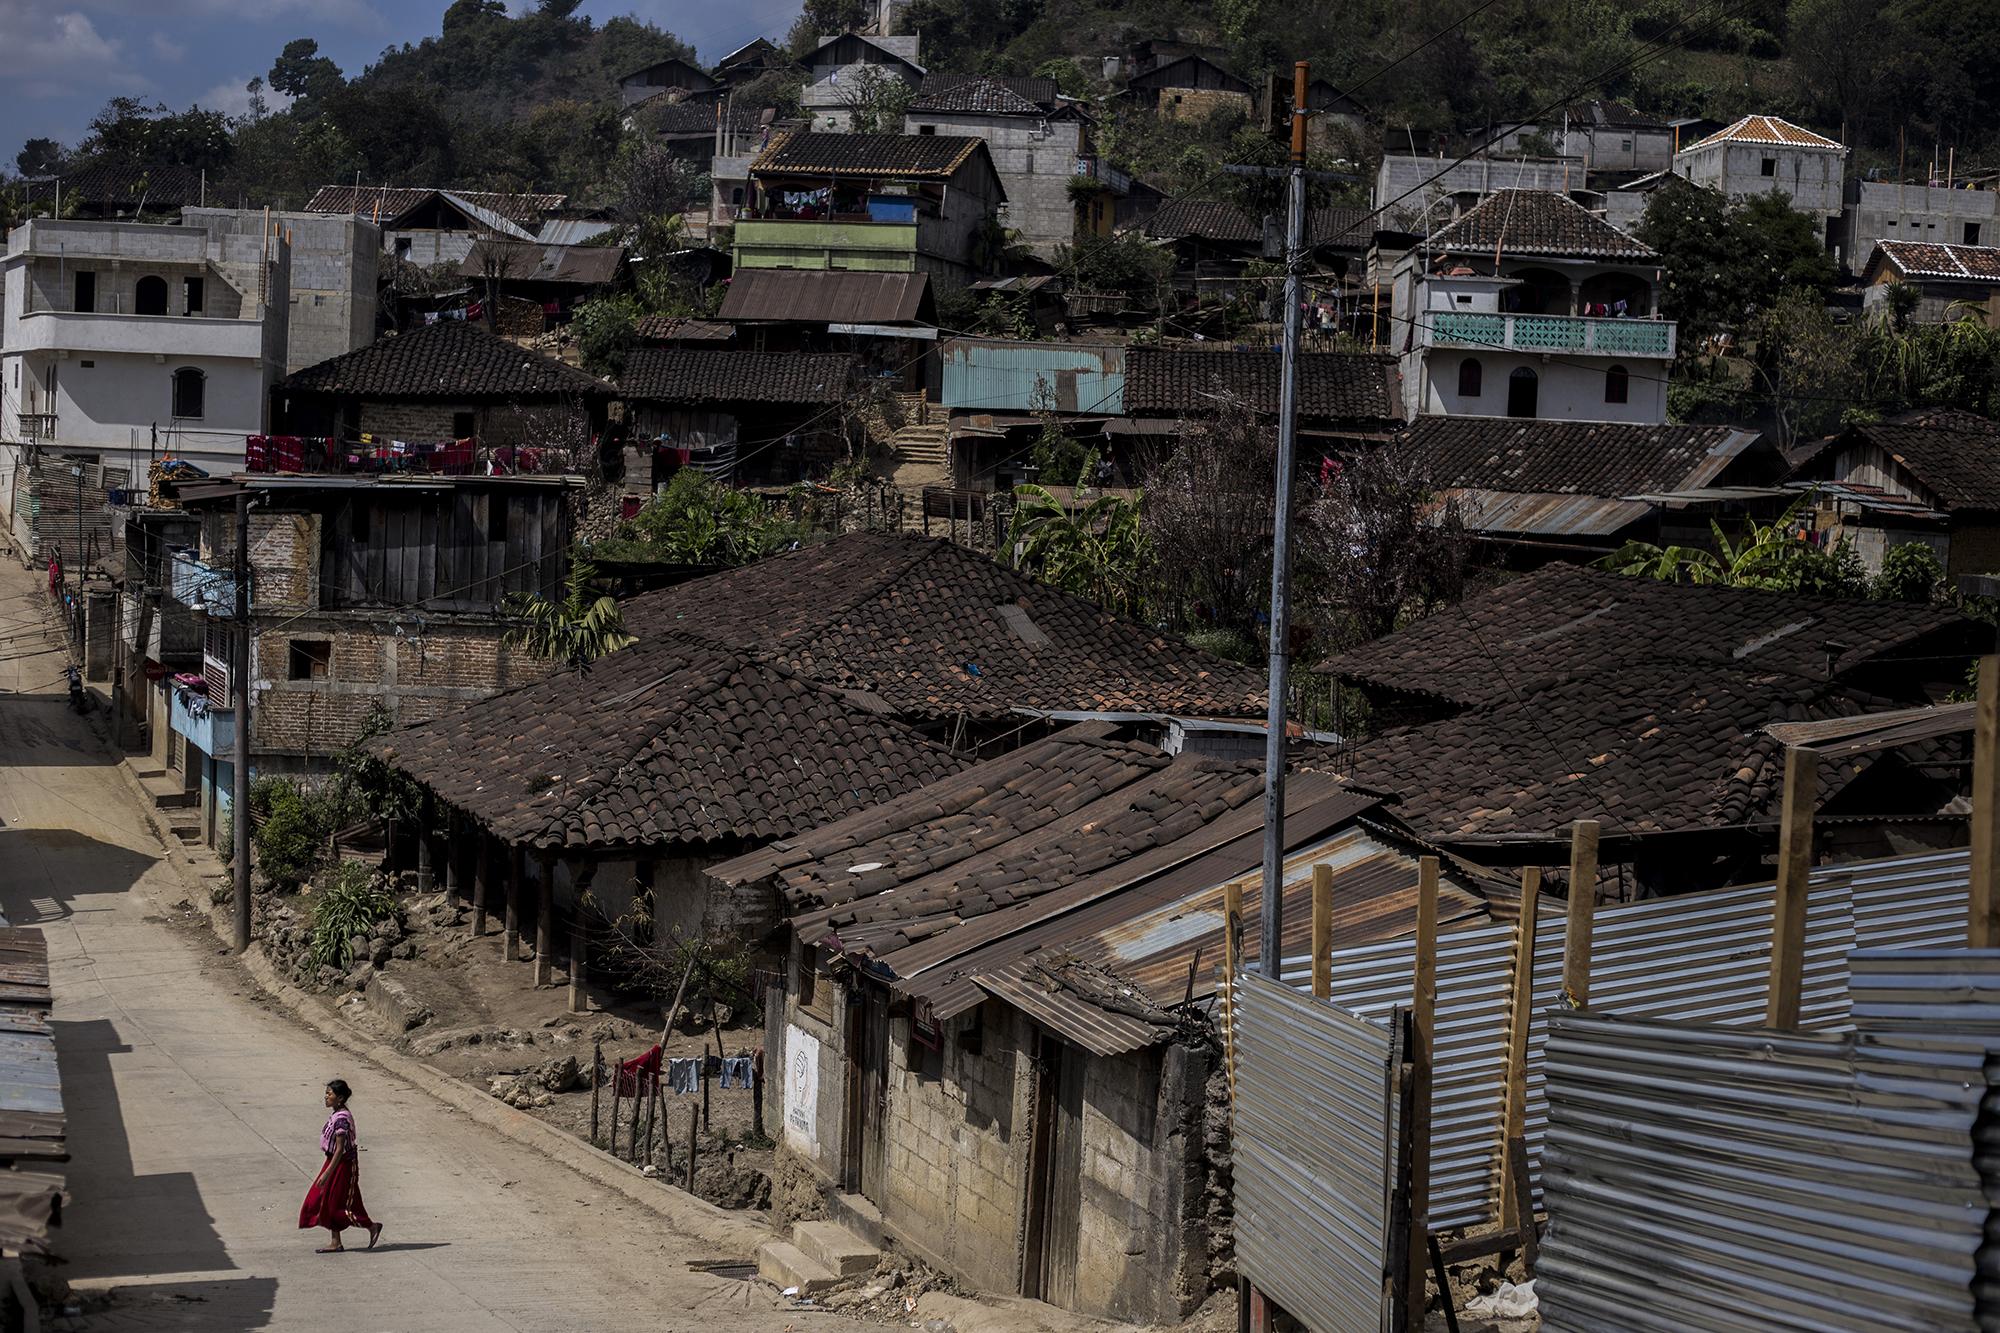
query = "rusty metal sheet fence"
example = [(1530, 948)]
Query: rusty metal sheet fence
[(1703, 958), (1314, 1152), (1709, 1179)]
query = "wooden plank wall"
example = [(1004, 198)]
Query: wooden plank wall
[(463, 550)]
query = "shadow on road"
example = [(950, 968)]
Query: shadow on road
[(131, 1224), (65, 863), (45, 732), (231, 1305)]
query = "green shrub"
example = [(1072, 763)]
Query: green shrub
[(350, 906), (291, 845), (1910, 573)]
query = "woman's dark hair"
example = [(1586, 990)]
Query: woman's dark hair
[(338, 1087)]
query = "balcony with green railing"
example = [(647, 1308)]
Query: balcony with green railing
[(1574, 335)]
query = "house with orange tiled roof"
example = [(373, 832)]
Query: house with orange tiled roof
[(1759, 154)]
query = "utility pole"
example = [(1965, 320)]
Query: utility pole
[(239, 689), (1270, 958)]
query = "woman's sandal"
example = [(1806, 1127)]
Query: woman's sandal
[(374, 1234), (331, 1249)]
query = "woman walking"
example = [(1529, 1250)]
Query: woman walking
[(334, 1201)]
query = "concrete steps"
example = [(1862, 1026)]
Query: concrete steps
[(820, 1255), (790, 1270), (166, 793)]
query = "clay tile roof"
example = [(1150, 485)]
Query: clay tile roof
[(1537, 222), (978, 94), (1562, 617), (681, 329), (1601, 112), (680, 375), (1210, 221), (451, 359), (1954, 455), (1769, 129), (162, 187), (1927, 259), (670, 741), (1570, 457), (1570, 693), (1340, 386), (929, 156), (697, 117), (937, 631), (526, 210)]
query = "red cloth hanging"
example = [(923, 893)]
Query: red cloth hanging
[(642, 1071)]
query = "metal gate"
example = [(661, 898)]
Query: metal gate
[(1315, 1155)]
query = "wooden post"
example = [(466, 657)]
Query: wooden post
[(1983, 930), (757, 1093), (545, 917), (1322, 967), (694, 1126), (611, 1140), (1423, 1023), (639, 1092), (482, 876), (454, 870), (596, 1069), (1582, 909), (577, 1003), (703, 1057), (1232, 958), (1788, 910), (511, 941), (1520, 1013), (424, 816), (652, 1118)]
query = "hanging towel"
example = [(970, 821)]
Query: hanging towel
[(640, 1071)]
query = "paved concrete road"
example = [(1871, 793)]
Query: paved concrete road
[(194, 1112)]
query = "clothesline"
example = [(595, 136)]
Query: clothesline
[(370, 452)]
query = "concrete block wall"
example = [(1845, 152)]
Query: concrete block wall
[(335, 259), (1142, 1252), (958, 1134), (1035, 159)]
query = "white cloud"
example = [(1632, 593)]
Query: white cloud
[(345, 13), (232, 97), (50, 55), (166, 48)]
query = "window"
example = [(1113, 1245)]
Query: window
[(926, 129), (310, 659), (1770, 166), (462, 426), (1465, 300), (1624, 145), (150, 297), (402, 247), (1522, 392), (1470, 375), (195, 290), (1617, 384), (190, 388), (86, 292), (89, 365), (1971, 234)]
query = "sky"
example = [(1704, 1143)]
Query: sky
[(65, 58)]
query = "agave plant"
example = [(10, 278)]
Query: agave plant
[(576, 630)]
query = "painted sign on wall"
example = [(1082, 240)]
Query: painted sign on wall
[(802, 1089)]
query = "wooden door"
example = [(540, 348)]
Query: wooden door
[(1055, 1176), (867, 1091)]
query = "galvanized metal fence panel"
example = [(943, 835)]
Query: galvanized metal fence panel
[(1709, 1179), (1700, 959), (1314, 1155)]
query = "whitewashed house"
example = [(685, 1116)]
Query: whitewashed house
[(1532, 306), (123, 337), (1759, 154)]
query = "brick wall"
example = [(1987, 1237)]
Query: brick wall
[(284, 561), (433, 667), (431, 422)]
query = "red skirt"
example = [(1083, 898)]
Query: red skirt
[(334, 1201)]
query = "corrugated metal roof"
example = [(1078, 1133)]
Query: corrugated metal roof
[(33, 1124), (1546, 515), (817, 297), (1038, 991), (1875, 731)]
